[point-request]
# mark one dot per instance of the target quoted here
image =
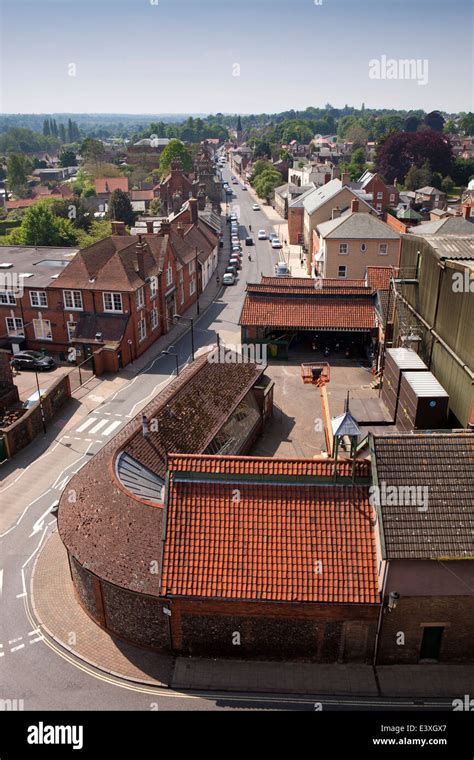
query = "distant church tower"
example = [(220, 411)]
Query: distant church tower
[(239, 130)]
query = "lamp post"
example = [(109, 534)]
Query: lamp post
[(40, 403), (172, 353), (191, 321)]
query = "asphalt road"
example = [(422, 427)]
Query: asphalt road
[(36, 670)]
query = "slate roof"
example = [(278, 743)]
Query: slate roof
[(443, 463), (111, 326), (451, 225), (269, 543), (355, 225)]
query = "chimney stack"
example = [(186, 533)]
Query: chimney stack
[(149, 227), (118, 228), (466, 211), (346, 178), (193, 208), (336, 213), (140, 249), (165, 227), (354, 205)]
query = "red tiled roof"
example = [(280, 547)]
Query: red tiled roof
[(268, 541), (308, 282), (109, 184), (379, 277), (350, 290), (237, 465), (142, 195), (313, 312)]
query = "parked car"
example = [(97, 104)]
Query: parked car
[(33, 360), (276, 243), (272, 235), (231, 269), (256, 207), (236, 248), (249, 241), (235, 262), (228, 279), (281, 270), (262, 235)]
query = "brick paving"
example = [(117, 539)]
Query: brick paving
[(56, 608)]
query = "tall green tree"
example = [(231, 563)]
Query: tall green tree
[(120, 208), (175, 151), (46, 129), (17, 179), (40, 227)]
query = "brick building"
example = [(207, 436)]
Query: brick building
[(117, 296), (183, 541), (427, 546)]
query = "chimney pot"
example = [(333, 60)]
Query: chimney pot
[(149, 227), (346, 178), (118, 228)]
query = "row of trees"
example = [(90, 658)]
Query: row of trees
[(265, 178), (65, 133), (192, 130)]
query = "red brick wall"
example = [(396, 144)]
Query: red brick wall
[(295, 224), (456, 612)]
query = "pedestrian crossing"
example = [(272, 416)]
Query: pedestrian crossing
[(95, 426)]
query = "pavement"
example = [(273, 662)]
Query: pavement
[(61, 618)]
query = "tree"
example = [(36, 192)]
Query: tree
[(357, 135), (46, 129), (175, 151), (467, 124), (68, 158), (412, 123), (262, 149), (417, 177), (155, 206), (434, 121), (62, 133), (17, 167), (72, 209), (401, 150), (120, 208), (463, 171), (92, 150), (40, 227), (447, 185)]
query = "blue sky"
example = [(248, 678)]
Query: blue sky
[(163, 56)]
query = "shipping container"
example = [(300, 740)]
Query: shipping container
[(423, 402), (397, 361)]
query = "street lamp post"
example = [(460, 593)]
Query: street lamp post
[(172, 353), (40, 402), (191, 321)]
